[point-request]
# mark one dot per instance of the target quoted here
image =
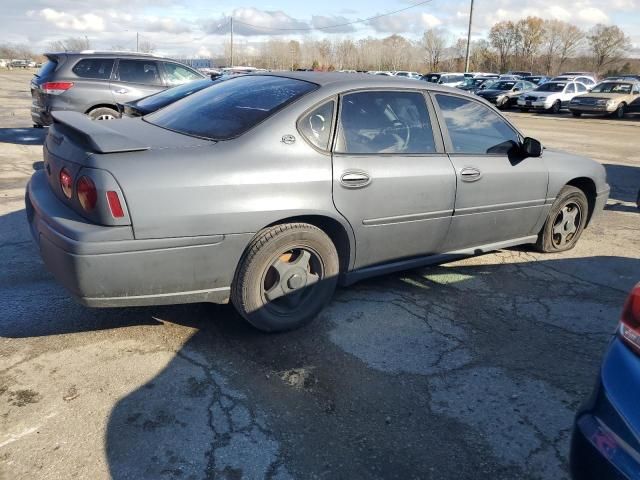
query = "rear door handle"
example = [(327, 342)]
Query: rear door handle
[(122, 90), (355, 179), (470, 174)]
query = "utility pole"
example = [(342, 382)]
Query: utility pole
[(137, 42), (231, 42), (466, 61)]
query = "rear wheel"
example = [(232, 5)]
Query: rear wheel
[(287, 275), (565, 222), (103, 113), (576, 114), (524, 110)]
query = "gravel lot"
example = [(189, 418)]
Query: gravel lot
[(465, 371)]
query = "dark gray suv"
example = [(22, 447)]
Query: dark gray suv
[(94, 82)]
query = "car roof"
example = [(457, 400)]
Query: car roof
[(346, 81), (106, 53)]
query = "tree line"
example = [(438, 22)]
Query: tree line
[(531, 44)]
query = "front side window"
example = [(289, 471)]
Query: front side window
[(177, 74), (227, 109), (474, 128), (99, 68), (139, 71), (385, 122), (316, 126)]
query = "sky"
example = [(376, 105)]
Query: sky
[(200, 27)]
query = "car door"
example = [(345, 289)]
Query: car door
[(500, 195), (568, 94), (136, 78), (391, 178)]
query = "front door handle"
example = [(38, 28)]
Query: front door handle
[(470, 174), (122, 90), (355, 179)]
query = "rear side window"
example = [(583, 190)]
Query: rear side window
[(94, 68), (474, 128), (581, 87), (47, 69), (177, 74), (385, 122), (230, 108), (139, 71), (570, 88), (316, 126)]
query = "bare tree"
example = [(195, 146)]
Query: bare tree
[(503, 37), (608, 44), (571, 40), (530, 37), (71, 44), (433, 43)]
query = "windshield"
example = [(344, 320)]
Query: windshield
[(230, 108), (473, 82), (159, 100), (502, 85), (551, 87), (612, 87)]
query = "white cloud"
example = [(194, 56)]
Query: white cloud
[(84, 22), (168, 25), (404, 23), (593, 15), (322, 22)]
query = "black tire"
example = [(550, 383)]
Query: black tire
[(620, 112), (555, 108), (576, 114), (104, 113), (565, 222), (524, 110), (278, 251)]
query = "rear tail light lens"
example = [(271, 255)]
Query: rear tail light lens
[(630, 322), (87, 194), (66, 182), (114, 204), (56, 88)]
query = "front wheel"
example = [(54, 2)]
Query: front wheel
[(576, 114), (620, 111), (555, 108), (524, 110), (287, 275), (565, 222)]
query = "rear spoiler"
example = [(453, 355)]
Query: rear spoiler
[(96, 134)]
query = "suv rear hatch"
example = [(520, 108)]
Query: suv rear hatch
[(39, 86)]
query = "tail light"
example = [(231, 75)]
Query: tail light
[(56, 88), (87, 193), (66, 182), (114, 204), (630, 321)]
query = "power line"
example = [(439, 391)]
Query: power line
[(338, 25)]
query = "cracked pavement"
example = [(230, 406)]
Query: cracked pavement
[(468, 370)]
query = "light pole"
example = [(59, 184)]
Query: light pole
[(466, 61), (231, 42)]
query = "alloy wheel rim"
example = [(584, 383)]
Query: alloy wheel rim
[(291, 280), (105, 116), (566, 224)]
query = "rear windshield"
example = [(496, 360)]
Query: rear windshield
[(230, 108), (47, 69), (170, 95), (612, 87), (503, 85)]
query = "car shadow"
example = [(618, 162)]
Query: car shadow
[(23, 136), (625, 187), (233, 402)]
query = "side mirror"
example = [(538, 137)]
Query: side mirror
[(531, 147), (516, 89)]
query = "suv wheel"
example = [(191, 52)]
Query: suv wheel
[(104, 113), (565, 222), (287, 275)]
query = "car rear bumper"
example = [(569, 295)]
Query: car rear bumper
[(100, 271), (605, 444), (534, 105)]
